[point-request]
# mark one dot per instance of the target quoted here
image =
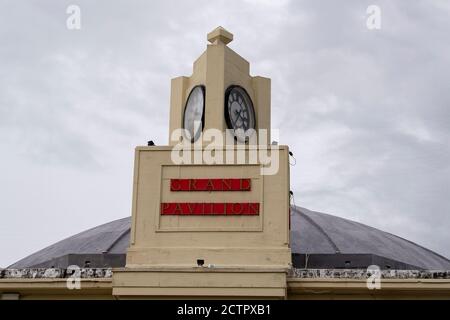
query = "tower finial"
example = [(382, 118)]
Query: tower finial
[(220, 35)]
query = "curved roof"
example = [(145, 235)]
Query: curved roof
[(112, 238), (317, 240), (320, 233)]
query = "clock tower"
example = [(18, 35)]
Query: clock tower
[(223, 77), (213, 222)]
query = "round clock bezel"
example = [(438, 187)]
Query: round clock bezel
[(226, 112), (202, 87)]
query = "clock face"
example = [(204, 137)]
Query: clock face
[(194, 113), (239, 112)]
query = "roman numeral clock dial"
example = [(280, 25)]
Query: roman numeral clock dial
[(239, 112)]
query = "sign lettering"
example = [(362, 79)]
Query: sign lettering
[(210, 184), (210, 209)]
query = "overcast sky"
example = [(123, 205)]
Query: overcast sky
[(366, 112)]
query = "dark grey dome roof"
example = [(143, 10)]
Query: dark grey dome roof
[(318, 240), (333, 238), (108, 239)]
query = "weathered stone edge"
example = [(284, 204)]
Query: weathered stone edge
[(364, 274), (87, 273), (41, 273)]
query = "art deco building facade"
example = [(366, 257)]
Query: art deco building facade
[(221, 230)]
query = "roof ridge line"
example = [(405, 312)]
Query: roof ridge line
[(335, 247), (117, 240)]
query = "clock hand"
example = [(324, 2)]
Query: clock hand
[(239, 114)]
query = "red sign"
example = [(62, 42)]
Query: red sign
[(229, 209), (210, 184)]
